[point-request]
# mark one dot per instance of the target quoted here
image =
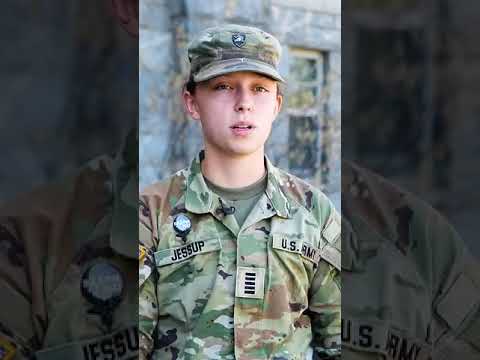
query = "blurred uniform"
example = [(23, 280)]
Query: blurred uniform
[(411, 290), (69, 266), (211, 289)]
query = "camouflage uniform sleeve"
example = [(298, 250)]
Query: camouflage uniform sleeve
[(456, 318), (147, 304), (325, 293)]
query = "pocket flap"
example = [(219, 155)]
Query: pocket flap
[(332, 229)]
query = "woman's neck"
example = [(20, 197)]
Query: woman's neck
[(233, 172)]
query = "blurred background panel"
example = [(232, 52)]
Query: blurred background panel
[(67, 70), (410, 100), (68, 95), (305, 138)]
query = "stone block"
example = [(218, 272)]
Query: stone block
[(154, 15), (212, 8)]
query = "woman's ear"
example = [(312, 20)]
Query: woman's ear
[(278, 104), (190, 104)]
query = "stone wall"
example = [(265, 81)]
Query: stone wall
[(168, 140)]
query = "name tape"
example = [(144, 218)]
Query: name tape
[(381, 338), (184, 252), (119, 345), (282, 242)]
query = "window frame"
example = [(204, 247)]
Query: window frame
[(321, 58)]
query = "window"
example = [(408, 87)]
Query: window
[(306, 81), (306, 108)]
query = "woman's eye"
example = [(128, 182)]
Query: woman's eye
[(261, 89), (222, 87)]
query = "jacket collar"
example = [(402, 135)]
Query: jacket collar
[(199, 199)]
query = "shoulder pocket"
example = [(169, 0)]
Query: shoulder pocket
[(459, 301), (187, 251), (331, 249), (332, 229)]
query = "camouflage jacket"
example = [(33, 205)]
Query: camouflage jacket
[(68, 267), (411, 289), (267, 290)]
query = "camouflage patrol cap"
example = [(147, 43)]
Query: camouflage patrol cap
[(230, 48)]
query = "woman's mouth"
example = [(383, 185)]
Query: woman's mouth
[(242, 129)]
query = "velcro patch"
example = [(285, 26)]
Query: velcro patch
[(460, 299), (332, 256), (7, 349), (181, 253), (332, 229), (250, 282)]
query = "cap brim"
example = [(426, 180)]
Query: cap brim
[(223, 67)]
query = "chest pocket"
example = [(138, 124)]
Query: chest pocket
[(194, 256), (292, 261), (187, 276)]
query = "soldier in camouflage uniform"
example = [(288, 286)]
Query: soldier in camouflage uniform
[(411, 289), (215, 284)]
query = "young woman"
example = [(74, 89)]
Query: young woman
[(239, 259)]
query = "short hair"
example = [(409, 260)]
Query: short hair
[(190, 85)]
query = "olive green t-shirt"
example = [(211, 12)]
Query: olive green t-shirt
[(243, 199)]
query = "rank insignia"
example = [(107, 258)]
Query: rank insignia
[(250, 282), (103, 286)]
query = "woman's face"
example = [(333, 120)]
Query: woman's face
[(236, 111)]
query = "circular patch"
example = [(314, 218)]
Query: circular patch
[(102, 284), (182, 224)]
